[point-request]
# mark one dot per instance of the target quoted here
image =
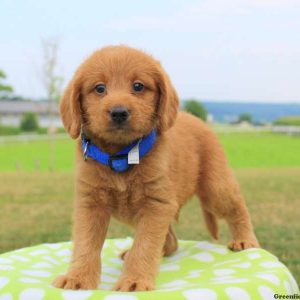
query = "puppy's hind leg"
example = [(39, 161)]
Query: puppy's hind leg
[(221, 198), (171, 243), (211, 220)]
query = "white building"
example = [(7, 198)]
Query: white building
[(11, 112)]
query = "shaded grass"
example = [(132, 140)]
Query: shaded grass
[(244, 150), (36, 208)]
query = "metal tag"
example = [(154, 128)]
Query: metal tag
[(134, 155)]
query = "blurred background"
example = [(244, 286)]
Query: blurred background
[(235, 64)]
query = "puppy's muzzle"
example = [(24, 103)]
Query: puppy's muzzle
[(119, 115)]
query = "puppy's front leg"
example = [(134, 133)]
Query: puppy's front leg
[(90, 226), (142, 261)]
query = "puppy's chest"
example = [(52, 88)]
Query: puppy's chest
[(125, 199)]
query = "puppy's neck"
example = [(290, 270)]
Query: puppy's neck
[(109, 148)]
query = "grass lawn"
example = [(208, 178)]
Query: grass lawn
[(36, 208), (37, 155), (244, 150), (255, 150)]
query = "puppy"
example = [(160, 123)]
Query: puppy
[(118, 97)]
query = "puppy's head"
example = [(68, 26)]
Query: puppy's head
[(119, 94)]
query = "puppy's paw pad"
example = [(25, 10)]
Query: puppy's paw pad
[(238, 245), (128, 284), (74, 283)]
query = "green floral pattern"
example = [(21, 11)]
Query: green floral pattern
[(198, 270)]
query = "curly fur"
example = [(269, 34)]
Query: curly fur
[(187, 159)]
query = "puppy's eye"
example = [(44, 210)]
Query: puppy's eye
[(138, 87), (100, 88)]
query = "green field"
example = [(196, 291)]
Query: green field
[(256, 150), (244, 150), (55, 155), (36, 206)]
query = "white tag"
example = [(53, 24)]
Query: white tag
[(134, 155)]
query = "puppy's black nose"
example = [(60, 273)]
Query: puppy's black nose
[(119, 114)]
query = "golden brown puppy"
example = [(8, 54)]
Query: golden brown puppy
[(186, 159)]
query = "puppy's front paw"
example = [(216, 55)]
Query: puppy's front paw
[(131, 284), (75, 282), (242, 244)]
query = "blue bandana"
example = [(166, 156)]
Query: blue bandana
[(119, 161)]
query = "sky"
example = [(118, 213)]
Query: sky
[(239, 50)]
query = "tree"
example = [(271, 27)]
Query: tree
[(195, 108), (53, 85), (245, 117), (29, 122), (5, 90), (51, 81)]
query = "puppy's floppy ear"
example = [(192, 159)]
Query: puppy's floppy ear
[(70, 108), (168, 102)]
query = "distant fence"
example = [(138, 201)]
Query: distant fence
[(32, 137), (291, 130), (241, 129)]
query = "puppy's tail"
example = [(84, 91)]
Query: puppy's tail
[(211, 222)]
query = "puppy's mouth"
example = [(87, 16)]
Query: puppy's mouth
[(121, 134), (119, 128)]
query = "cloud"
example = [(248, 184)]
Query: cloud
[(197, 17), (236, 6), (273, 3), (193, 18)]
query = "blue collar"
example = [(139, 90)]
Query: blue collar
[(118, 162)]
